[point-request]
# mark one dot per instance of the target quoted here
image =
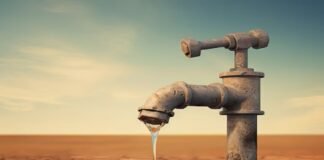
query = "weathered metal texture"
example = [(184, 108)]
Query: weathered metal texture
[(241, 137), (244, 86), (241, 58), (239, 95), (159, 106), (242, 113), (192, 48), (256, 38)]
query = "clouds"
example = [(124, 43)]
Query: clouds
[(309, 102), (116, 37), (304, 115), (312, 108), (40, 75), (60, 62)]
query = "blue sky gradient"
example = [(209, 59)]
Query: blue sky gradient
[(83, 67)]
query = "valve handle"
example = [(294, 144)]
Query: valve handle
[(256, 38)]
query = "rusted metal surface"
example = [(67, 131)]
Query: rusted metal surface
[(235, 41), (241, 58), (192, 48), (245, 89), (242, 114), (160, 105), (241, 137), (239, 95)]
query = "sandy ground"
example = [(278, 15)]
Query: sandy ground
[(139, 148)]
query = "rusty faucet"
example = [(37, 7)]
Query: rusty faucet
[(239, 95)]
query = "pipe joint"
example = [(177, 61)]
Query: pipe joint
[(160, 105)]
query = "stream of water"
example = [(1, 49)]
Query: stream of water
[(154, 129)]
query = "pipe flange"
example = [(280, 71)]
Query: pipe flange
[(231, 42), (187, 94), (168, 112), (226, 112), (241, 74), (223, 95)]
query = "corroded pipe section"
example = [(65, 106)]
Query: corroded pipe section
[(242, 114), (241, 137), (159, 106)]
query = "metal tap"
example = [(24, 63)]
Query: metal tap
[(238, 96)]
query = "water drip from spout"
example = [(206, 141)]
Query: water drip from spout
[(154, 129)]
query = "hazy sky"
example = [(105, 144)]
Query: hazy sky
[(84, 67)]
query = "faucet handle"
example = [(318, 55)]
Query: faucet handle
[(192, 48), (256, 38)]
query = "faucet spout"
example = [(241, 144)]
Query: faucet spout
[(160, 105)]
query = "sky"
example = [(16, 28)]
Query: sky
[(84, 67)]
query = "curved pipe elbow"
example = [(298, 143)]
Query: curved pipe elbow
[(159, 106)]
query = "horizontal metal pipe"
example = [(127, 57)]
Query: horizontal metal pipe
[(214, 43), (160, 105)]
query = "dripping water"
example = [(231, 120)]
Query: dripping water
[(154, 129)]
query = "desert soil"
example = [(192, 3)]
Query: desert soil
[(139, 148)]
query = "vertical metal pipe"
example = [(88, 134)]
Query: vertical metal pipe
[(242, 114), (241, 58), (241, 137)]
